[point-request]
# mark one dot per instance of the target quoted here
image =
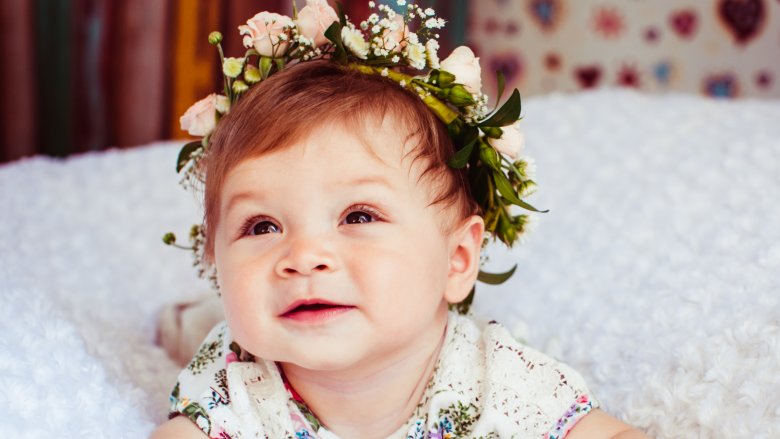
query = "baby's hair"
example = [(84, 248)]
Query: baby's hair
[(290, 104)]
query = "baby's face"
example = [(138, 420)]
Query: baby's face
[(329, 256)]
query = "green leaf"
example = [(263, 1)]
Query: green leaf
[(461, 158), (342, 16), (333, 33), (506, 191), (495, 278), (501, 83), (507, 114), (186, 153), (445, 78)]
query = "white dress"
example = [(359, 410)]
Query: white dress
[(486, 384)]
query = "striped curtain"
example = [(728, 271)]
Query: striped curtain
[(86, 75)]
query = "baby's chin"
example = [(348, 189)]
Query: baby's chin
[(340, 357)]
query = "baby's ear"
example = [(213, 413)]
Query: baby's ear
[(464, 249)]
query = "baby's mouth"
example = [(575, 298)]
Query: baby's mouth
[(314, 310)]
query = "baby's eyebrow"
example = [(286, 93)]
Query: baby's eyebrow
[(235, 199), (368, 180)]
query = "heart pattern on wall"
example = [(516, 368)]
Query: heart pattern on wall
[(684, 22), (743, 18), (706, 47)]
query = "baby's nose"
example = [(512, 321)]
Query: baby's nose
[(304, 257)]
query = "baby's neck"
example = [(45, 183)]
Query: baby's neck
[(370, 403)]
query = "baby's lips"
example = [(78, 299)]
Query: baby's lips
[(311, 303)]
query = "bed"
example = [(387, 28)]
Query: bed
[(656, 273)]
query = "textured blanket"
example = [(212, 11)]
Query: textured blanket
[(656, 273)]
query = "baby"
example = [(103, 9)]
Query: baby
[(341, 235)]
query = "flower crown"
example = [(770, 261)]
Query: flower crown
[(487, 143)]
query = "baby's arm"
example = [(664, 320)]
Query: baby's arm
[(178, 428), (599, 425)]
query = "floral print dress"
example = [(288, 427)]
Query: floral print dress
[(508, 391)]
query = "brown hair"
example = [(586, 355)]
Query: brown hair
[(278, 112)]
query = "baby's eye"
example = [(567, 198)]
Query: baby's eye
[(255, 227), (264, 227), (359, 217)]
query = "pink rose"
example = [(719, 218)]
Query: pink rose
[(314, 19), (201, 118), (511, 142), (268, 33), (465, 66), (394, 39)]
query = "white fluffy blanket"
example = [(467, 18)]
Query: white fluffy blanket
[(656, 272)]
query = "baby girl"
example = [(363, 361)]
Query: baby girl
[(341, 235)]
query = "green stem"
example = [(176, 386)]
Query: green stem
[(442, 111)]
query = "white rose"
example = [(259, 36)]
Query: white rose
[(511, 142), (266, 31), (201, 118), (465, 67), (314, 19)]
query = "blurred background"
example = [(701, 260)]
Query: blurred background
[(88, 75)]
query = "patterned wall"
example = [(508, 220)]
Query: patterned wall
[(723, 48)]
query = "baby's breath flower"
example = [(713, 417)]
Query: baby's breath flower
[(354, 41), (376, 29), (401, 2), (384, 72), (373, 19), (402, 83), (434, 23), (232, 67), (371, 4), (396, 58), (430, 12)]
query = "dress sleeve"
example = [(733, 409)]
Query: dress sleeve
[(540, 395), (576, 402), (202, 385)]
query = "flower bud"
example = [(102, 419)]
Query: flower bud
[(460, 97), (169, 238), (215, 38), (240, 86), (492, 132)]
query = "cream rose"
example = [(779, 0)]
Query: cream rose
[(465, 67), (201, 118), (268, 33), (511, 142), (314, 19)]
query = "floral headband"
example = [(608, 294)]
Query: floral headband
[(487, 143)]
